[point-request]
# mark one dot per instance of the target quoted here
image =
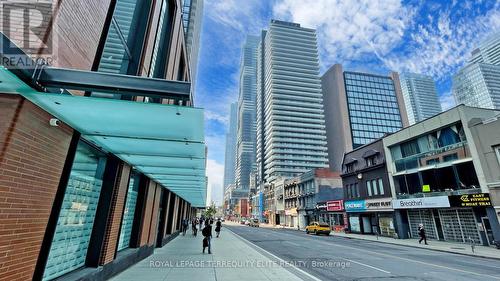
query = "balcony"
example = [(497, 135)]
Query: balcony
[(436, 157)]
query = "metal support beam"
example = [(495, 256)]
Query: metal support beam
[(71, 79)]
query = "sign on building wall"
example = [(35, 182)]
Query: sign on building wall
[(369, 205), (421, 203), (335, 205), (470, 200)]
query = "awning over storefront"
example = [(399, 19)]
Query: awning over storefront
[(165, 142)]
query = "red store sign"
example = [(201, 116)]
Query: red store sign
[(335, 205)]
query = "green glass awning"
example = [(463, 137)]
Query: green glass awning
[(165, 142)]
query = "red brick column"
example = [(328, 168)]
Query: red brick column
[(115, 215), (32, 156)]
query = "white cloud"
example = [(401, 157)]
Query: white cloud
[(214, 116), (215, 174), (447, 101), (350, 29), (438, 50)]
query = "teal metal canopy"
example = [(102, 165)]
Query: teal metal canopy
[(165, 142)]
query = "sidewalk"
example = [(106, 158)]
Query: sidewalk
[(182, 259), (456, 248)]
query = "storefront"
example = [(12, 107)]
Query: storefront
[(291, 217), (332, 213), (371, 216), (456, 218)]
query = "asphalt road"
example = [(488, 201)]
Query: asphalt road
[(339, 258)]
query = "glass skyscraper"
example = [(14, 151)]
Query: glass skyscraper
[(192, 15), (359, 108), (373, 106), (230, 153), (478, 83), (291, 126), (246, 134), (420, 96)]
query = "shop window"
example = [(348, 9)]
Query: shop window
[(74, 227), (369, 187), (129, 211)]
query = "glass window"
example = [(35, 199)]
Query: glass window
[(129, 211), (74, 226), (380, 186), (369, 188), (375, 189)]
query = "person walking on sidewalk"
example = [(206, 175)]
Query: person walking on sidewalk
[(421, 233), (185, 224), (218, 226), (194, 228), (207, 233)]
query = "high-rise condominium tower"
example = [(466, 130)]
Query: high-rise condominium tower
[(420, 97), (230, 152), (478, 83), (245, 141), (291, 136), (192, 15)]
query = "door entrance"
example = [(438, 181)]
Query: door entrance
[(487, 230)]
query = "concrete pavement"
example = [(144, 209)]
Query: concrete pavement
[(232, 259), (338, 258)]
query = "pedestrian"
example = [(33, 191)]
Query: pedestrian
[(218, 226), (421, 233), (194, 223), (184, 226), (200, 221), (207, 233)]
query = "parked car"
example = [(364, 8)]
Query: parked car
[(318, 228), (247, 222), (243, 222), (254, 223)]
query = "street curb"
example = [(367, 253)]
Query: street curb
[(414, 247)]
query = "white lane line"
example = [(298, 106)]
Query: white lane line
[(396, 257), (274, 256), (367, 265), (415, 261)]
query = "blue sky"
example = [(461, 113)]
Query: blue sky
[(428, 37)]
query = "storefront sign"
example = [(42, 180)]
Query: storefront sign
[(355, 206), (335, 205), (320, 206), (369, 205), (421, 203), (470, 200)]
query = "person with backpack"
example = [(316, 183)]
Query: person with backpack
[(218, 226), (207, 233)]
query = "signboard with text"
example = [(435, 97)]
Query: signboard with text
[(421, 203), (369, 205), (335, 205), (470, 200)]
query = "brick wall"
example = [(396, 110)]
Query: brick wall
[(115, 216), (75, 30), (32, 156)]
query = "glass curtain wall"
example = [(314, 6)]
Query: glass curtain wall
[(76, 219), (129, 211)]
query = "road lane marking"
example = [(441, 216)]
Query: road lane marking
[(276, 257), (367, 265), (333, 243), (291, 243)]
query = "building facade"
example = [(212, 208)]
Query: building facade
[(302, 193), (246, 131), (420, 97), (95, 193), (291, 136), (476, 84), (367, 193), (230, 152), (444, 173), (192, 19), (359, 108)]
